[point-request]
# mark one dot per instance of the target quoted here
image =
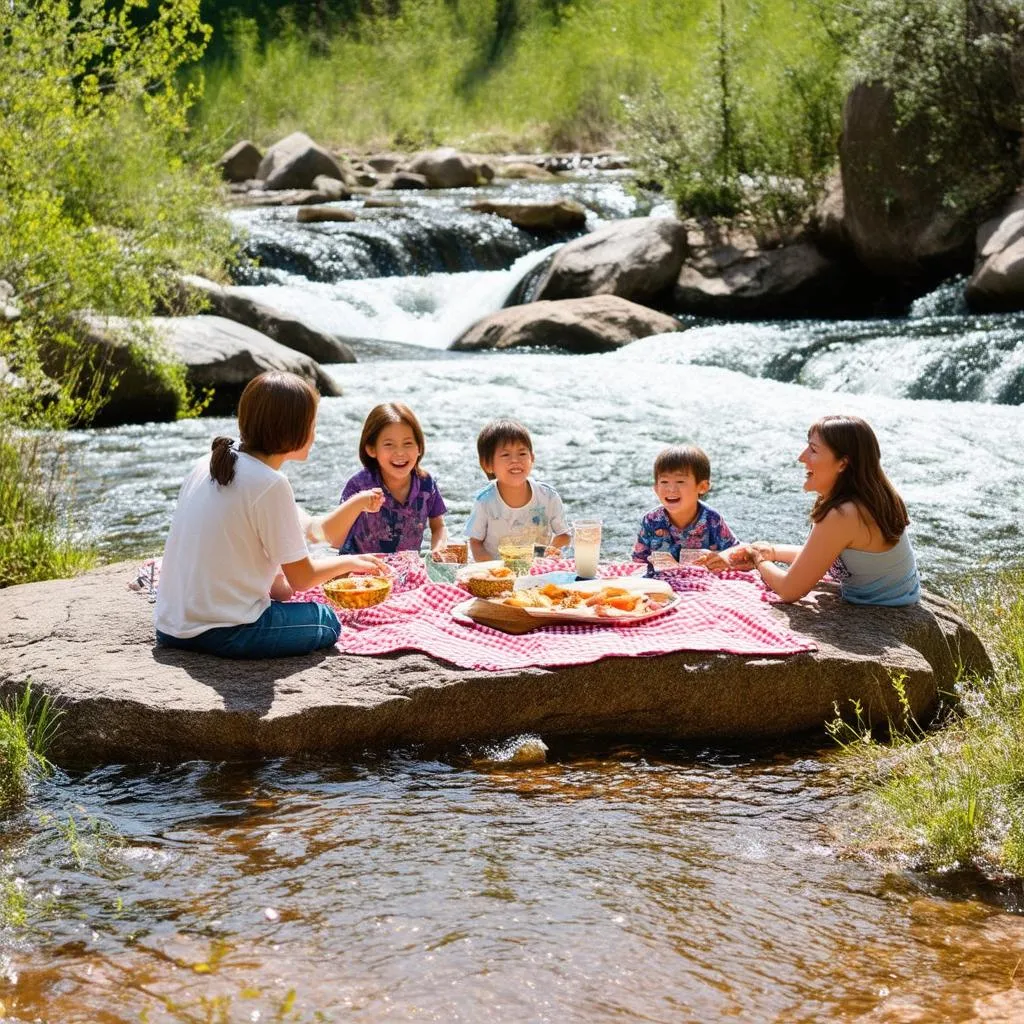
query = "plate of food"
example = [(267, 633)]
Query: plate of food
[(597, 602)]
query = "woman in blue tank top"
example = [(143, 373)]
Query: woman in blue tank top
[(859, 524)]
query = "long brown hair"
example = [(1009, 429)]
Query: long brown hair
[(384, 415), (276, 414), (862, 480)]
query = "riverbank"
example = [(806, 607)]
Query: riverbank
[(947, 799)]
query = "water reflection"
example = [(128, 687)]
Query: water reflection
[(631, 883)]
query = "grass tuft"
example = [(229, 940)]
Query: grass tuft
[(27, 725)]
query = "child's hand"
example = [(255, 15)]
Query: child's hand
[(372, 500), (367, 565), (717, 561)]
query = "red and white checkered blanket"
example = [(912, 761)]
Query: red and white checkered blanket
[(728, 612)]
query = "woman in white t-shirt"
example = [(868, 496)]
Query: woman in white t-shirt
[(237, 550)]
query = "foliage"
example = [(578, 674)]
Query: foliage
[(36, 543), (97, 204), (26, 729), (952, 797), (488, 74), (98, 210), (949, 64), (757, 133)]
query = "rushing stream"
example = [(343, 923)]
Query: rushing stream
[(622, 883)]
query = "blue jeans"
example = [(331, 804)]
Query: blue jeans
[(282, 630)]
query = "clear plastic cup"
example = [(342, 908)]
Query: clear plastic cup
[(516, 551), (587, 545)]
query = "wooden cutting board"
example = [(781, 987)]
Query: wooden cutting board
[(502, 616)]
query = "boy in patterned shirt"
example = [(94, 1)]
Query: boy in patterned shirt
[(682, 476)]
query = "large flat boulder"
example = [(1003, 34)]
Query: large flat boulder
[(729, 274), (88, 643), (598, 324)]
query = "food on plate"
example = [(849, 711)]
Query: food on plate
[(608, 602), (357, 591), (490, 582)]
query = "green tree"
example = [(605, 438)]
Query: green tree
[(99, 207)]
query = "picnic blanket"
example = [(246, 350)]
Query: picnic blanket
[(728, 612)]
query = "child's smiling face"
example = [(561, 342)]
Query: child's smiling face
[(395, 450), (511, 465), (679, 491)]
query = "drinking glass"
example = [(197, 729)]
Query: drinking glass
[(516, 551), (587, 544)]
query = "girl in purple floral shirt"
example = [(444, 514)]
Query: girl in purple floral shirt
[(682, 476), (390, 449)]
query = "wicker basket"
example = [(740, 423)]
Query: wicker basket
[(351, 592), (489, 586)]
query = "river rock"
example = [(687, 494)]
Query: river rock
[(241, 162), (323, 214), (286, 329), (448, 168), (403, 180), (280, 197), (333, 188), (88, 644), (562, 215), (998, 280), (385, 163), (637, 259), (598, 323), (896, 213), (295, 162), (523, 171), (729, 275), (218, 354)]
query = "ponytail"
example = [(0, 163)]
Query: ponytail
[(222, 460)]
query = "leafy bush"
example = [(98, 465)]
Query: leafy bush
[(97, 204), (99, 208), (755, 133)]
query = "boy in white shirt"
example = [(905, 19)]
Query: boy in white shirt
[(512, 503)]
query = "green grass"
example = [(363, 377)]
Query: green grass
[(36, 541), (27, 724), (954, 797), (449, 71)]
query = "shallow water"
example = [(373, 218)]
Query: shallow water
[(626, 883), (631, 883)]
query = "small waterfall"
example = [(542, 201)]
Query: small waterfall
[(425, 311)]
